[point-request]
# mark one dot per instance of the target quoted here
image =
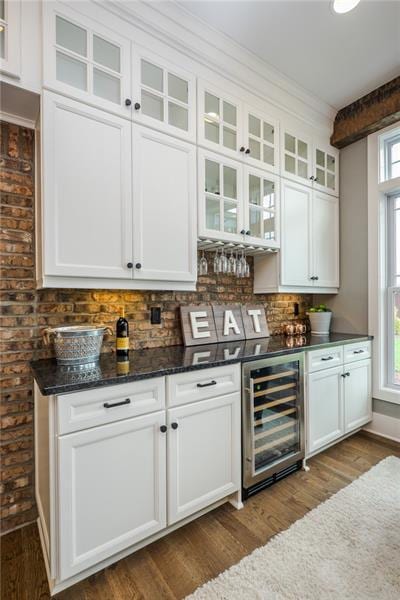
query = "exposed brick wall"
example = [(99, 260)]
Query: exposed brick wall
[(26, 312)]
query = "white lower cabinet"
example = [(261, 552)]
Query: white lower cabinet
[(325, 407), (203, 454), (119, 465), (357, 394), (112, 489), (338, 398)]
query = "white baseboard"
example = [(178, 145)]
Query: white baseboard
[(387, 427)]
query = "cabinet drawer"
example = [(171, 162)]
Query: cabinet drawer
[(86, 409), (324, 358), (360, 351), (204, 383)]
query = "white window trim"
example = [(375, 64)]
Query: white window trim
[(378, 191)]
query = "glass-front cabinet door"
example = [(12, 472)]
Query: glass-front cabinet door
[(326, 169), (163, 96), (85, 60), (219, 121), (261, 201), (296, 156), (261, 140), (220, 197)]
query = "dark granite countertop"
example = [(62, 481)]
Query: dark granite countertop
[(155, 362)]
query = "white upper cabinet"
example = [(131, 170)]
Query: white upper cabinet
[(261, 208), (326, 169), (261, 138), (164, 96), (164, 218), (296, 244), (325, 240), (84, 59), (86, 191), (10, 37), (220, 197), (220, 126), (296, 155)]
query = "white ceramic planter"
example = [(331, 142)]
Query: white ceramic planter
[(320, 322)]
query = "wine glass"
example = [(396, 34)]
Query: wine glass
[(223, 262), (203, 265), (231, 263), (217, 262)]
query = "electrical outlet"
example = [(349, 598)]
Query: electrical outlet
[(155, 315), (296, 308)]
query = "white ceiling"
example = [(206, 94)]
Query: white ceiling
[(338, 58)]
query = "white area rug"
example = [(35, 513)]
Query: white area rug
[(348, 548)]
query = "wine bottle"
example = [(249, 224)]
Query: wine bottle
[(122, 336)]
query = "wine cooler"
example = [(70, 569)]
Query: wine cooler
[(273, 420)]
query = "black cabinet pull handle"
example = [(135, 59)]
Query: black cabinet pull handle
[(347, 374), (136, 106), (312, 277), (163, 428), (247, 151), (343, 375), (108, 405), (201, 385), (358, 352), (174, 425), (242, 149), (138, 266), (129, 265), (327, 358), (128, 102)]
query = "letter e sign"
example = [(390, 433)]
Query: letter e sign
[(198, 325)]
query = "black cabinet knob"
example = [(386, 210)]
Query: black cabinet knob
[(316, 278), (247, 151), (242, 149), (136, 106), (128, 102), (163, 428), (315, 179), (312, 178), (129, 265), (174, 425), (138, 266), (248, 232), (243, 232)]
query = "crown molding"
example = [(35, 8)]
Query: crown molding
[(174, 25)]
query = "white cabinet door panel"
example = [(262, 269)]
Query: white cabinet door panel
[(203, 454), (112, 482), (86, 191), (164, 192), (357, 394), (325, 240), (324, 407), (295, 234)]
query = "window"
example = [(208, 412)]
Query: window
[(384, 261), (393, 289), (390, 156)]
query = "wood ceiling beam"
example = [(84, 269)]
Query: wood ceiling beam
[(372, 112)]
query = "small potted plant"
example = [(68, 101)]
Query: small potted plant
[(320, 319)]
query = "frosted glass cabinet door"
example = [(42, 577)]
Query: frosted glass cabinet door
[(85, 60), (220, 125), (326, 169), (296, 155), (164, 96), (86, 194), (261, 139), (164, 192)]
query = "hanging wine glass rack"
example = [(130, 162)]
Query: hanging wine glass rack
[(208, 245)]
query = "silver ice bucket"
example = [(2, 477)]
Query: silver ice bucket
[(77, 344)]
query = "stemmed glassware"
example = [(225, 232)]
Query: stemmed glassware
[(231, 264), (203, 265)]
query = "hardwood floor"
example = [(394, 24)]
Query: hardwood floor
[(175, 565)]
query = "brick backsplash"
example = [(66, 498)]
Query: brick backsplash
[(25, 312)]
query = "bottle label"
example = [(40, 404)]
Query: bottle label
[(123, 367), (122, 343)]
